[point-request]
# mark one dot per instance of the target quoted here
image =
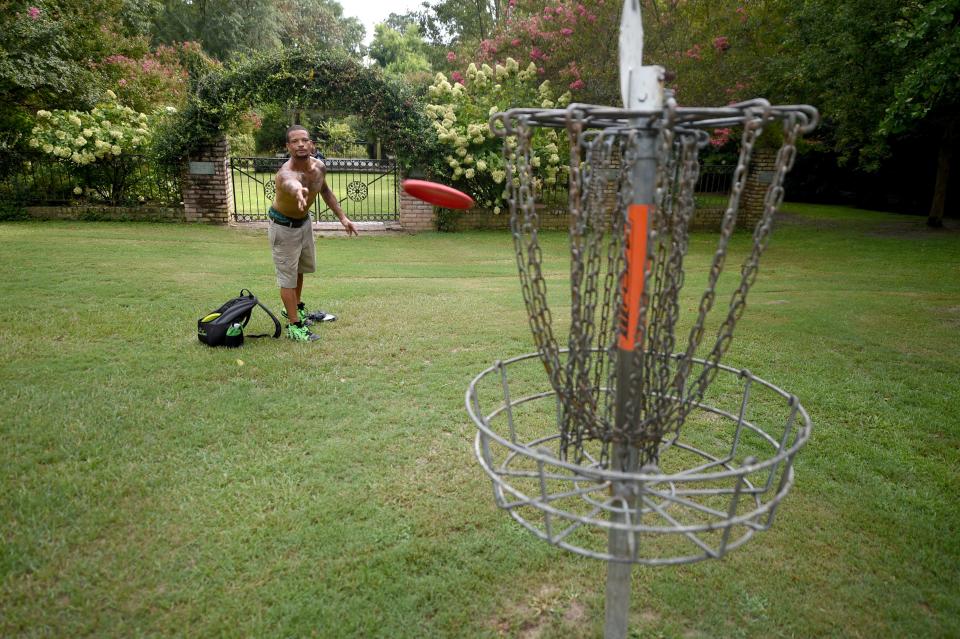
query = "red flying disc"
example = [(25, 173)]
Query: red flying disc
[(437, 194)]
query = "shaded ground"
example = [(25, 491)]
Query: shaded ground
[(884, 225)]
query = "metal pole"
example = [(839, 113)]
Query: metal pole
[(643, 180)]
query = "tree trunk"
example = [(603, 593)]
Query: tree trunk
[(944, 159)]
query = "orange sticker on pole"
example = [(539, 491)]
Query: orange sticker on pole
[(635, 277)]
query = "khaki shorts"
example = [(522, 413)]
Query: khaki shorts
[(294, 251)]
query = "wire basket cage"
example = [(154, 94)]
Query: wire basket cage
[(717, 485)]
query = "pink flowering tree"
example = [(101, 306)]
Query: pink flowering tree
[(568, 41), (715, 52), (155, 78)]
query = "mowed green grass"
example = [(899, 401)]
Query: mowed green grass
[(152, 486)]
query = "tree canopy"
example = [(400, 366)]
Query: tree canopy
[(297, 78)]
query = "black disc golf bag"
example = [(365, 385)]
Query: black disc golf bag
[(214, 328)]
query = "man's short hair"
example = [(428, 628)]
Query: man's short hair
[(296, 127)]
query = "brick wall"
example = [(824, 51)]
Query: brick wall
[(207, 184), (415, 215), (755, 188)]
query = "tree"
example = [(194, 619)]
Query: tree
[(223, 27), (448, 23), (568, 42), (928, 91), (45, 54), (402, 54), (714, 50), (228, 27), (880, 71), (320, 24)]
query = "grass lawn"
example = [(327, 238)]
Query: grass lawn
[(152, 486)]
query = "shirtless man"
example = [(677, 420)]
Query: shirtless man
[(299, 181)]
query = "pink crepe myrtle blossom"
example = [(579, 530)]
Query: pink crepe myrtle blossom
[(33, 12), (577, 84), (451, 56), (721, 43), (456, 76), (566, 31), (720, 137), (742, 12), (693, 52)]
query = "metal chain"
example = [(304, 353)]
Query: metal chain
[(660, 394), (761, 236)]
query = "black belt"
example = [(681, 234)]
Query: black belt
[(293, 224)]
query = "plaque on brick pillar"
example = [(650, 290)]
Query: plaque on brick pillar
[(207, 191)]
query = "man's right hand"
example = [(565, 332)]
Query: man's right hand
[(301, 195)]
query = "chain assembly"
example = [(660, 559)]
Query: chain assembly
[(604, 148)]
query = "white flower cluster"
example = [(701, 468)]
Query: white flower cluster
[(460, 116), (84, 137)]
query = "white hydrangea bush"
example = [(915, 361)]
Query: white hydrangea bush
[(86, 137), (460, 113), (85, 141)]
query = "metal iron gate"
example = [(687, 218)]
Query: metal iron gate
[(365, 189)]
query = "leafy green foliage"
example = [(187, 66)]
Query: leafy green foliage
[(402, 53), (298, 78), (568, 40), (319, 24), (45, 49), (460, 22), (227, 28), (158, 78), (928, 36), (876, 69), (472, 154)]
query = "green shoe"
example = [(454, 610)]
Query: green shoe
[(301, 317), (301, 333)]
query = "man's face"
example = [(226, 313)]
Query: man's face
[(299, 144)]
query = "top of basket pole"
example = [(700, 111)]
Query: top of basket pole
[(641, 87)]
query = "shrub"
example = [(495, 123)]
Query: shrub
[(472, 157), (94, 147)]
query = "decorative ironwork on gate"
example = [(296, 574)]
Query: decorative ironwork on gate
[(366, 189)]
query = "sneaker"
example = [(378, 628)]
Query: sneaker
[(320, 316), (301, 333), (314, 316), (301, 317)]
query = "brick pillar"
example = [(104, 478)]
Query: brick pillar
[(208, 185), (755, 188), (415, 215)]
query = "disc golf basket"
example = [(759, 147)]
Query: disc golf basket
[(624, 437)]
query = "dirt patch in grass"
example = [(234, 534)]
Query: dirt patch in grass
[(547, 612)]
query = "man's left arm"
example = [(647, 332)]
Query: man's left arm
[(331, 199)]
